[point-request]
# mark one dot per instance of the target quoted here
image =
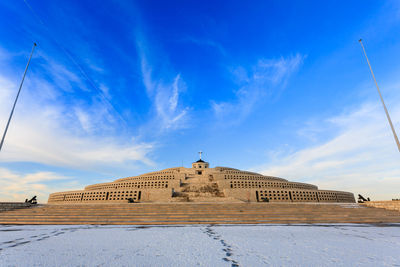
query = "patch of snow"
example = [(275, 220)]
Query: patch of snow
[(204, 245)]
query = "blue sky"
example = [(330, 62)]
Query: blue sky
[(119, 88)]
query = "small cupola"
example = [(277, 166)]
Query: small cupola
[(200, 164)]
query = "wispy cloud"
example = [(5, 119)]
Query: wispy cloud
[(361, 157), (52, 129), (256, 83), (19, 186), (206, 42), (164, 93)]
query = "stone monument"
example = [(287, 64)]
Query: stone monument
[(200, 184)]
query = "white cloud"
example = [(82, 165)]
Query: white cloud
[(60, 75), (362, 157), (48, 129), (84, 119), (44, 135), (171, 114), (18, 187), (277, 71), (256, 84), (6, 87)]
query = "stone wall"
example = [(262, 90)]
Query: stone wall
[(259, 183), (111, 196), (289, 195)]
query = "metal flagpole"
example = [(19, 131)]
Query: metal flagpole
[(16, 99), (380, 95)]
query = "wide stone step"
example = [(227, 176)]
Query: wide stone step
[(199, 213), (181, 222), (66, 212), (193, 212)]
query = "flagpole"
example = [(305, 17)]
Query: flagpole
[(380, 95), (16, 99)]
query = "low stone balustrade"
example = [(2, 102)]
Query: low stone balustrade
[(5, 206), (388, 204)]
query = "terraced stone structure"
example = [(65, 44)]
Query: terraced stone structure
[(200, 184)]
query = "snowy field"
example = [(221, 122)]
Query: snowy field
[(245, 245)]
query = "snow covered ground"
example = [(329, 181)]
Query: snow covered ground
[(244, 245)]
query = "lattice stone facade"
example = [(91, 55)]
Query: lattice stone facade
[(200, 184)]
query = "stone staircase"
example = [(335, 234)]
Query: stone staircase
[(199, 213), (199, 188)]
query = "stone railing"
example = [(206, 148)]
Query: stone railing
[(388, 204), (4, 206)]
